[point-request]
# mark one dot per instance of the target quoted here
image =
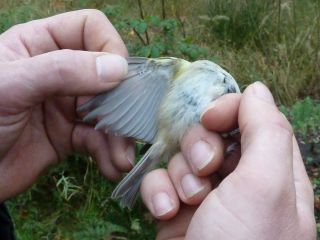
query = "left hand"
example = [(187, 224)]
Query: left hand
[(42, 72)]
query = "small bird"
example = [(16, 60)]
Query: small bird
[(156, 103)]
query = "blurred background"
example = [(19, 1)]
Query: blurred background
[(275, 41)]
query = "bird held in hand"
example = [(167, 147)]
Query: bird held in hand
[(158, 101)]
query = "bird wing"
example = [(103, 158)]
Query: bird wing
[(131, 108)]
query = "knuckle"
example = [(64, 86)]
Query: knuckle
[(175, 161), (94, 13), (18, 27), (112, 175), (61, 64), (121, 162), (309, 189), (192, 135), (154, 175), (278, 124), (32, 26), (283, 122)]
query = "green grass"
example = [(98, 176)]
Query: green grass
[(72, 202), (276, 43)]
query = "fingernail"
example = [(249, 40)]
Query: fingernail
[(201, 154), (191, 185), (162, 204), (131, 155), (111, 67), (262, 92)]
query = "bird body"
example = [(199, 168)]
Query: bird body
[(159, 100)]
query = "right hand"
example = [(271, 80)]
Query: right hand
[(264, 193)]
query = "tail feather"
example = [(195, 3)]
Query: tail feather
[(127, 190), (129, 198)]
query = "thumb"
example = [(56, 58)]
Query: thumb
[(29, 81), (266, 144)]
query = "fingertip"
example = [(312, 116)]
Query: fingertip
[(203, 150), (159, 195), (194, 188), (111, 67), (122, 152), (102, 157), (222, 114), (109, 172), (258, 109), (190, 188), (261, 91)]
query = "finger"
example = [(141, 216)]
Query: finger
[(86, 140), (122, 152), (176, 228), (159, 195), (302, 183), (222, 114), (203, 150), (84, 29), (266, 143), (63, 73), (190, 188)]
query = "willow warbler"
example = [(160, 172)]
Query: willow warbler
[(158, 101)]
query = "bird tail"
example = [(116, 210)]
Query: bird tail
[(127, 190)]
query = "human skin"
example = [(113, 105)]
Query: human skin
[(267, 196), (261, 193), (44, 67)]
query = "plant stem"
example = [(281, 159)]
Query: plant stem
[(163, 9), (142, 17), (317, 53), (181, 22), (294, 18), (140, 37), (279, 19)]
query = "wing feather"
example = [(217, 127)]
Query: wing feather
[(149, 126), (131, 108)]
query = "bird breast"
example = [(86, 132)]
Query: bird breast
[(183, 105)]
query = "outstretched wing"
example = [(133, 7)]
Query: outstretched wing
[(131, 108)]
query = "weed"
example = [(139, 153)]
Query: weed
[(305, 117)]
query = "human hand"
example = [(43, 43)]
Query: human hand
[(263, 194), (39, 85)]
